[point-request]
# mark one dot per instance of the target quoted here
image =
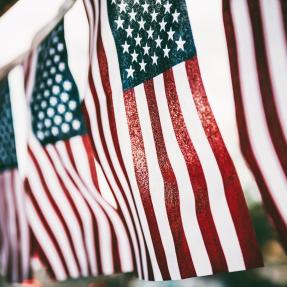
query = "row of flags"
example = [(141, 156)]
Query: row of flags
[(145, 134)]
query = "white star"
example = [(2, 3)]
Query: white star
[(154, 59), (175, 16), (153, 16), (145, 7), (166, 51), (146, 49), (114, 2), (158, 41), (158, 2), (122, 6), (167, 7), (141, 23), (119, 22), (150, 32), (129, 31), (142, 64), (133, 15), (130, 71), (162, 25), (170, 34), (180, 43), (138, 40), (126, 47), (137, 2), (134, 56)]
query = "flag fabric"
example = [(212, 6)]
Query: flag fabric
[(256, 33), (14, 230), (159, 145), (78, 232)]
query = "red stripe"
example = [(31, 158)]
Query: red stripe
[(172, 199), (90, 154), (233, 191), (51, 200), (245, 143), (273, 120), (142, 177), (197, 178), (47, 228)]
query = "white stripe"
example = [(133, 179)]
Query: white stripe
[(218, 204), (81, 207), (187, 202), (254, 113), (85, 172), (277, 54), (104, 186), (50, 215), (156, 184), (45, 242), (89, 11), (125, 146), (23, 225)]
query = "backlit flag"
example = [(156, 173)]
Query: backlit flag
[(14, 231), (256, 33), (159, 145), (78, 232)]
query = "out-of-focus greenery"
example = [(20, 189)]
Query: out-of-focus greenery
[(274, 275)]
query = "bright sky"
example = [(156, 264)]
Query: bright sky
[(209, 37)]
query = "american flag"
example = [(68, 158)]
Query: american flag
[(78, 232), (14, 230), (159, 145), (256, 33)]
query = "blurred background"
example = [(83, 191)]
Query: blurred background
[(19, 26)]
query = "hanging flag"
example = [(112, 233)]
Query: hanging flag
[(78, 231), (159, 144), (256, 33), (14, 230)]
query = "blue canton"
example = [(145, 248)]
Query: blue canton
[(55, 104), (8, 158), (151, 36)]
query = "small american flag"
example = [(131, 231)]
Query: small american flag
[(14, 230), (256, 33), (159, 145), (77, 231)]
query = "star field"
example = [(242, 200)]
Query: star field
[(151, 36)]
